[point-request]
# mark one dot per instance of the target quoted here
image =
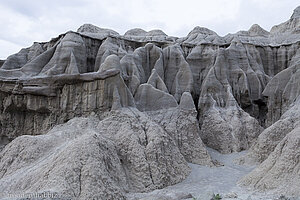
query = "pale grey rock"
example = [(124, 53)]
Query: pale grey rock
[(231, 195), (96, 32), (183, 80), (65, 161), (181, 68), (37, 64), (19, 59), (287, 32), (31, 68), (141, 35), (136, 32), (159, 67), (187, 102), (255, 80), (201, 30), (131, 73), (34, 105), (1, 63), (241, 82), (229, 129), (283, 90), (291, 26), (272, 136), (182, 125), (224, 125), (280, 170), (255, 35), (89, 28), (148, 98), (277, 146), (33, 59), (201, 35), (241, 66), (35, 50), (177, 73), (72, 67), (71, 43), (116, 104), (151, 157), (200, 59), (255, 29), (111, 62), (157, 82), (24, 56), (107, 48), (156, 32), (87, 158), (145, 59), (296, 13)]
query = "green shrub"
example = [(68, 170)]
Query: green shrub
[(216, 197)]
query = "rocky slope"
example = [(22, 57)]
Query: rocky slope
[(280, 171), (156, 101), (89, 158)]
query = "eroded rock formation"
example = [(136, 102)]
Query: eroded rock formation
[(280, 170), (156, 101)]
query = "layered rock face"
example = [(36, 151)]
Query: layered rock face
[(156, 101), (34, 105), (154, 70)]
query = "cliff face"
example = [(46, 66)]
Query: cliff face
[(228, 73), (222, 91), (34, 105)]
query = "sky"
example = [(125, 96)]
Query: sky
[(23, 22)]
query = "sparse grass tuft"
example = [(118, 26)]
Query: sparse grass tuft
[(216, 197)]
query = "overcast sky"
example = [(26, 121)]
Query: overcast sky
[(24, 21)]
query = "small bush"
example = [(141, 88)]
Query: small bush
[(216, 197)]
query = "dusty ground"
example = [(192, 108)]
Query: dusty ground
[(203, 182)]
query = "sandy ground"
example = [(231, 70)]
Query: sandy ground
[(203, 182)]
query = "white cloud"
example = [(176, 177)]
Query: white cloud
[(8, 48), (26, 21)]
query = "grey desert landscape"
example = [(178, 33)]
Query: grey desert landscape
[(93, 114)]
